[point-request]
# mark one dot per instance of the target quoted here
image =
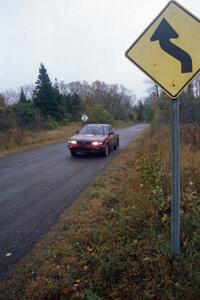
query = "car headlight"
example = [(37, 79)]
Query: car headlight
[(73, 142), (96, 143)]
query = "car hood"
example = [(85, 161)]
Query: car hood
[(88, 137)]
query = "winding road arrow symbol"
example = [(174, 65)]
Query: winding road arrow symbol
[(163, 34)]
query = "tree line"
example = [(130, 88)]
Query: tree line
[(47, 104), (43, 107), (156, 107)]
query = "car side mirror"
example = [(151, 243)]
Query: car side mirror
[(77, 132), (112, 132)]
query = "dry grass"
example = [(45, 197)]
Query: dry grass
[(114, 244), (17, 140), (190, 133)]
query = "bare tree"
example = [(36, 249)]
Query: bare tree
[(153, 89), (196, 86), (114, 98), (2, 101), (10, 96)]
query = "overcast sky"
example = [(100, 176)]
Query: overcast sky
[(75, 39)]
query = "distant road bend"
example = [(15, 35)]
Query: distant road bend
[(36, 186)]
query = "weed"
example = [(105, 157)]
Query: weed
[(90, 295), (110, 200), (99, 183), (94, 194), (113, 265), (190, 134)]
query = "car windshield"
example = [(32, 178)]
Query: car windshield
[(94, 129)]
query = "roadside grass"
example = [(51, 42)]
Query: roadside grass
[(20, 139), (114, 243)]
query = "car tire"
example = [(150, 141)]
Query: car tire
[(106, 151), (73, 153), (116, 145)]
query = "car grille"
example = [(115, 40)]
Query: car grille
[(84, 143)]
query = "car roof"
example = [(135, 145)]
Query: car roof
[(98, 124)]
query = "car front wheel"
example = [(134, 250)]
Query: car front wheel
[(116, 145), (73, 153), (106, 151)]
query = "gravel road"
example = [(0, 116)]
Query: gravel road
[(36, 186)]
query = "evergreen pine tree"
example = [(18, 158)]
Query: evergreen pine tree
[(140, 111), (22, 97), (75, 107), (58, 102), (44, 96)]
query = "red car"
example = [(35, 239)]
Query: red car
[(94, 138)]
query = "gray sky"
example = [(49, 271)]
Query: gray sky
[(75, 39)]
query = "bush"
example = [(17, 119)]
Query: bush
[(190, 134), (26, 113), (51, 124), (7, 118), (97, 114)]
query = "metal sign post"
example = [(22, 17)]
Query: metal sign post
[(175, 221)]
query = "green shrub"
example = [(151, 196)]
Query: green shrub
[(97, 114), (91, 296), (51, 124), (26, 113)]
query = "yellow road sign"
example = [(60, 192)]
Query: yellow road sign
[(168, 51)]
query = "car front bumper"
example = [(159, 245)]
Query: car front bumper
[(87, 148)]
